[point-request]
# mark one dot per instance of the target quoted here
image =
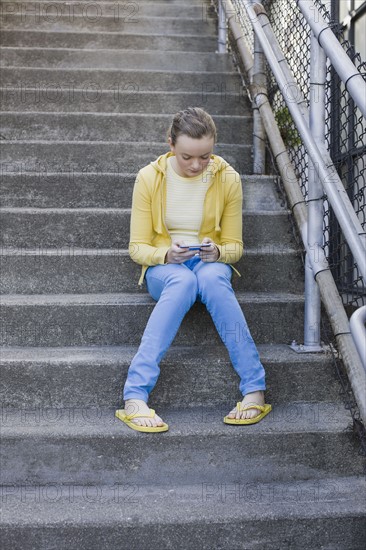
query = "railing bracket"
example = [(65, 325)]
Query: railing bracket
[(316, 348)]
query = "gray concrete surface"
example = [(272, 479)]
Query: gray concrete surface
[(85, 102)]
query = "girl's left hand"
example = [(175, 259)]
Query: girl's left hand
[(211, 253)]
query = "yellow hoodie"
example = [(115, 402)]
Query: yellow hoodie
[(221, 220)]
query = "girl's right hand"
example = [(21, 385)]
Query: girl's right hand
[(176, 255)]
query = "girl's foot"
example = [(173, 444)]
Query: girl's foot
[(138, 406), (253, 398)]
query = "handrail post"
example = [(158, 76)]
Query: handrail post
[(221, 47), (315, 192), (259, 134)]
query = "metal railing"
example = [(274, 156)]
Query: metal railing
[(305, 158), (358, 329)]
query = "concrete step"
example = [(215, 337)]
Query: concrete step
[(125, 22), (120, 319), (181, 3), (90, 446), (100, 157), (296, 515), (93, 99), (92, 11), (107, 8), (105, 190), (141, 60), (144, 3), (77, 475), (55, 378), (103, 40), (80, 270), (118, 80), (111, 127), (110, 228)]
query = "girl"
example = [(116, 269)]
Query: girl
[(189, 196)]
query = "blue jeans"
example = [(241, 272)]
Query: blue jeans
[(176, 287)]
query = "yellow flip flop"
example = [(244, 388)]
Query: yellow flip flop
[(265, 409), (126, 418)]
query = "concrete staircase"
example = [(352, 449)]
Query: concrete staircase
[(88, 91)]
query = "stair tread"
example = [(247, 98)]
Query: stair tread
[(122, 51), (104, 142), (131, 504), (94, 422), (251, 178), (274, 353), (105, 23), (115, 299), (63, 114), (94, 375), (91, 252), (182, 17), (114, 70), (181, 3), (119, 33), (128, 93), (109, 210)]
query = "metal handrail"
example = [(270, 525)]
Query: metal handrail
[(358, 330), (317, 260), (336, 193), (342, 64), (327, 174)]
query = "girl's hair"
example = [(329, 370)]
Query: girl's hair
[(193, 122)]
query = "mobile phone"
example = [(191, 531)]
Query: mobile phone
[(194, 246)]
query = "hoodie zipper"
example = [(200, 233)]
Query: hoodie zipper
[(163, 206)]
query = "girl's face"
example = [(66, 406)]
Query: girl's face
[(192, 155)]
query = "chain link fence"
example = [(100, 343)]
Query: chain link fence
[(345, 128)]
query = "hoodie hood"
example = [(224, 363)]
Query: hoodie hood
[(217, 165)]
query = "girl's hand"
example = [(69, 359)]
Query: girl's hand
[(209, 254), (176, 255)]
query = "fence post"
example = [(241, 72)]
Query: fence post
[(221, 47), (259, 134), (315, 194)]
